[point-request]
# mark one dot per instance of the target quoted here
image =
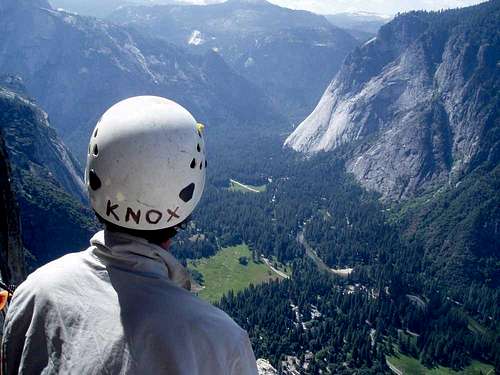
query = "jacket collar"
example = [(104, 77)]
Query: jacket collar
[(136, 254)]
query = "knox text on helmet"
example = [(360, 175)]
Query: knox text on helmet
[(129, 214)]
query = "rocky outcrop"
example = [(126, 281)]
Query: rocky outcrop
[(34, 146), (45, 180), (265, 368), (290, 55), (415, 104), (77, 67)]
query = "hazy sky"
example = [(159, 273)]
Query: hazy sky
[(388, 7), (376, 6)]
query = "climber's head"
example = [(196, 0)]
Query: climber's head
[(146, 165)]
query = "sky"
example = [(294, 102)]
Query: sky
[(386, 7)]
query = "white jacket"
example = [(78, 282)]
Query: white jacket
[(119, 308)]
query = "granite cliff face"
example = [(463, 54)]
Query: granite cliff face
[(289, 54), (416, 105), (76, 67), (45, 180)]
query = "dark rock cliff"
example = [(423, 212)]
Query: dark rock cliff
[(12, 264)]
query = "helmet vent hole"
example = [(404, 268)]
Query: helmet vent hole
[(96, 150), (199, 133), (198, 147), (94, 180), (187, 193), (193, 163), (201, 165), (206, 163), (95, 132)]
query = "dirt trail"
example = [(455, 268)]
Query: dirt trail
[(280, 273), (244, 186), (394, 368)]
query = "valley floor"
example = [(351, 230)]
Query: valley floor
[(224, 272)]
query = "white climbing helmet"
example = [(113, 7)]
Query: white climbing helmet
[(146, 164)]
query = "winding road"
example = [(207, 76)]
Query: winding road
[(312, 254)]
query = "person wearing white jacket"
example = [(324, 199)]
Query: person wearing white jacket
[(123, 306)]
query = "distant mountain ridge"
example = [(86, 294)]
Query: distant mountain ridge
[(417, 105), (76, 67), (100, 8), (289, 54), (363, 21), (361, 25)]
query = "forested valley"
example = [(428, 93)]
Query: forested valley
[(390, 300)]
